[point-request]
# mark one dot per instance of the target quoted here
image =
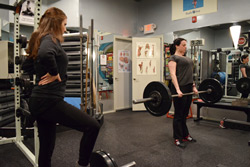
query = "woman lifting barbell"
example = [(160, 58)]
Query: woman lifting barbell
[(181, 72)]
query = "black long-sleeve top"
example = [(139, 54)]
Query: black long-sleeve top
[(51, 59)]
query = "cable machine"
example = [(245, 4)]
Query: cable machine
[(225, 68)]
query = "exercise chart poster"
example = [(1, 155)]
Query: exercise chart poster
[(192, 4), (124, 61), (146, 66), (189, 8), (145, 50)]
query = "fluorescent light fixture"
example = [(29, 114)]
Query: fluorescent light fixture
[(235, 33)]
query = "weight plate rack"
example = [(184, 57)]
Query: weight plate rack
[(71, 46)]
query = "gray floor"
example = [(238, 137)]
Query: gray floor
[(138, 136)]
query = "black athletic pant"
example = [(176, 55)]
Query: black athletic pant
[(181, 110), (48, 112)]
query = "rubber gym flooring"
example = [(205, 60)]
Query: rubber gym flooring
[(147, 140)]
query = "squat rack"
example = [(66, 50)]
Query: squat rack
[(33, 158)]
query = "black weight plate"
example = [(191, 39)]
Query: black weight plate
[(161, 107), (243, 85), (101, 159), (112, 159), (217, 90)]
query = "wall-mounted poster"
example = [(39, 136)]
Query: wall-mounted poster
[(145, 55), (189, 8), (103, 59), (192, 4), (27, 13), (145, 50), (124, 61), (146, 66)]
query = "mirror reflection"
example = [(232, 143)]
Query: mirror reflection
[(217, 57), (106, 95)]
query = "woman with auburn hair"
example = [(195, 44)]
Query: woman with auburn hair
[(47, 103)]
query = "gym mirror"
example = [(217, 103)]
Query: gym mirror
[(106, 70), (213, 63)]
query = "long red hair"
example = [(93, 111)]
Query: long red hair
[(50, 23)]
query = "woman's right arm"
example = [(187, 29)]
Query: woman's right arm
[(172, 69), (48, 53), (47, 78)]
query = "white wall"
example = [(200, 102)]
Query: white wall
[(126, 16), (209, 36), (4, 14), (115, 16), (70, 8), (160, 13), (223, 39)]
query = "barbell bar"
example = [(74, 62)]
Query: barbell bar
[(157, 97), (191, 93), (176, 95)]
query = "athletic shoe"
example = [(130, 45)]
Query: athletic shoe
[(179, 143), (189, 138)]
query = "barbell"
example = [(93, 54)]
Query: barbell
[(157, 97), (101, 158)]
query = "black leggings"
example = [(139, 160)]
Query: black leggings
[(48, 112), (181, 110)]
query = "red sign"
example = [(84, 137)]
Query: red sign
[(194, 19), (149, 28), (242, 40)]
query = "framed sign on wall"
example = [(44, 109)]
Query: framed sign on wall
[(189, 8)]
